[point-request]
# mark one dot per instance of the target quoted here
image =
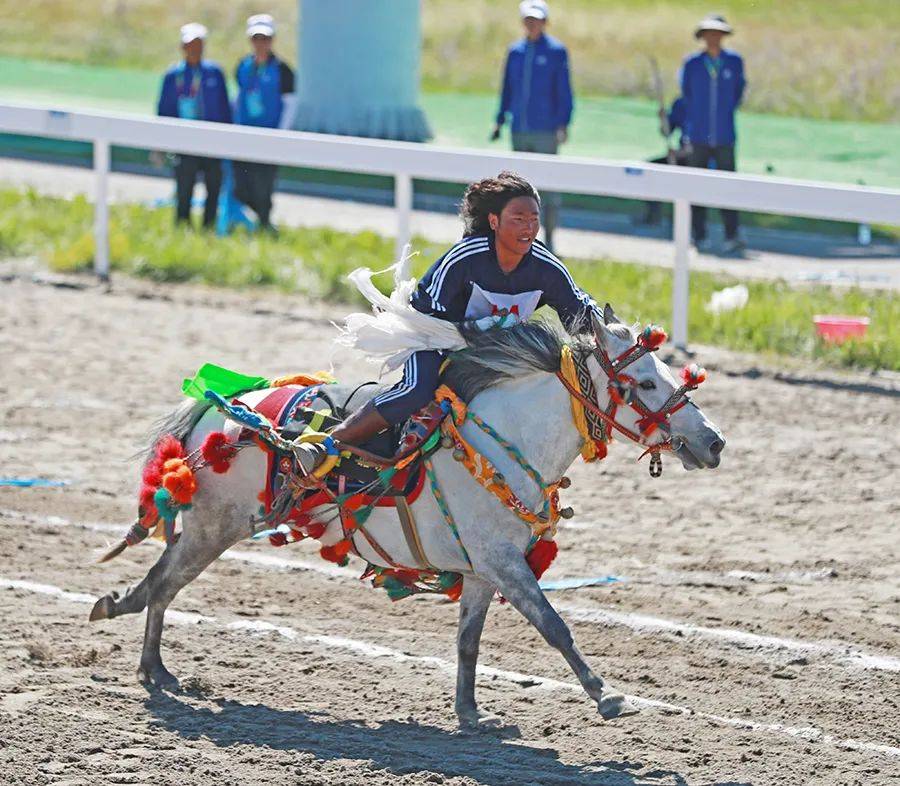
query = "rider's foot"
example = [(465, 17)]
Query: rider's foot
[(363, 424)]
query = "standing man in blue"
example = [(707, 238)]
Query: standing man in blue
[(712, 83), (262, 80), (537, 94), (194, 89)]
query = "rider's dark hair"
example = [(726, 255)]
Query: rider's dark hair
[(491, 195)]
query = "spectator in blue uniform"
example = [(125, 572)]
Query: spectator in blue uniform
[(194, 89), (712, 83), (537, 96), (262, 78), (497, 275)]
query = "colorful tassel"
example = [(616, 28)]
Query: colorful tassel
[(541, 556), (217, 451), (652, 337), (693, 375)]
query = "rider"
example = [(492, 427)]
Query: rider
[(498, 274)]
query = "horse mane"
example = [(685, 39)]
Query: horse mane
[(500, 354)]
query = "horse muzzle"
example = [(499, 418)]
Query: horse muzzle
[(705, 454)]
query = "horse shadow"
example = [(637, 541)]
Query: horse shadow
[(401, 748)]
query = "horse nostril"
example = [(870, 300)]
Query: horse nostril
[(716, 446)]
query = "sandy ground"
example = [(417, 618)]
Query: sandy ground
[(760, 606)]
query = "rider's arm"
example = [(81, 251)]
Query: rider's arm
[(564, 296), (440, 287)]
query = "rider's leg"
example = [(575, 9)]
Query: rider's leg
[(410, 394)]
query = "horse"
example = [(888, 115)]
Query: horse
[(510, 378)]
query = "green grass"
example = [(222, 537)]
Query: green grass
[(615, 128), (807, 57), (143, 242)]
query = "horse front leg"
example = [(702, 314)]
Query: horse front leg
[(473, 605), (509, 570)]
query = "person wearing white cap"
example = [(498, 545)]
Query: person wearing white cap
[(263, 79), (712, 84), (537, 96), (195, 89)]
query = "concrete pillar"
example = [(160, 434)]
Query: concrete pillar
[(358, 69)]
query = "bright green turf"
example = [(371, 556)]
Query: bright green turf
[(617, 128)]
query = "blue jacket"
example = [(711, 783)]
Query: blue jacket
[(467, 283), (712, 94), (259, 101), (202, 88), (536, 88)]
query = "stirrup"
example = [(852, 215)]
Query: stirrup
[(332, 455)]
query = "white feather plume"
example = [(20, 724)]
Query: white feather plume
[(394, 330)]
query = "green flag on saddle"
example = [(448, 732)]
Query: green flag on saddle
[(220, 380)]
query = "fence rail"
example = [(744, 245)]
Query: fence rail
[(405, 161)]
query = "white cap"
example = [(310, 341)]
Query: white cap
[(713, 22), (192, 31), (260, 24), (534, 8)]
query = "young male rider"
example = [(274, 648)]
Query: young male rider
[(499, 273)]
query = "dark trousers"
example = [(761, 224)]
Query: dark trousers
[(420, 379), (186, 171), (701, 156), (541, 142), (253, 185)]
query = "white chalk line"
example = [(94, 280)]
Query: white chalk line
[(377, 651), (845, 654)]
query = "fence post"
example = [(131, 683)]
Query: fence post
[(403, 203), (101, 209), (681, 273)]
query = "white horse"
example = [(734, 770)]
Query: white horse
[(509, 379)]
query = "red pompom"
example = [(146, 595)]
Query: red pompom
[(315, 529), (652, 337), (217, 451), (541, 556), (168, 448), (278, 539), (336, 553), (693, 375)]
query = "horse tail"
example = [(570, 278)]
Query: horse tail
[(172, 428)]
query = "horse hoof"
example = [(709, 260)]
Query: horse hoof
[(616, 705), (476, 721), (158, 677), (103, 609)]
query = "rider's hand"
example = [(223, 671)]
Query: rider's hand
[(495, 134)]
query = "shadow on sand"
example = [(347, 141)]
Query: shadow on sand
[(401, 748)]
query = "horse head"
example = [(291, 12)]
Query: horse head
[(646, 398)]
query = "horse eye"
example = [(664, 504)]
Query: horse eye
[(648, 384)]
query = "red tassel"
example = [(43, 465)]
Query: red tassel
[(315, 529), (336, 553), (541, 556), (217, 451), (693, 375)]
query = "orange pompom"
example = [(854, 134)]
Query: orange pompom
[(180, 482), (693, 375)]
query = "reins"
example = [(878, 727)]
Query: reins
[(622, 391)]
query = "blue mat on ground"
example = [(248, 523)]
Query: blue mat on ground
[(564, 584), (26, 482)]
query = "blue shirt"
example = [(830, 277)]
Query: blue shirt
[(195, 93), (712, 91), (260, 88), (468, 283), (536, 87)]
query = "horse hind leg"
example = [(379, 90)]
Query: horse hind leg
[(190, 556), (134, 599)]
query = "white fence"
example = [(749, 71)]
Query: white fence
[(405, 161)]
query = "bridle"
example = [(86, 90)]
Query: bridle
[(623, 391)]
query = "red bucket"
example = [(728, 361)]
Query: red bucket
[(835, 329)]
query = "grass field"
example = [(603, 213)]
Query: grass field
[(315, 262), (811, 58), (617, 128)]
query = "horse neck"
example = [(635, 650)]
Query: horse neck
[(534, 413)]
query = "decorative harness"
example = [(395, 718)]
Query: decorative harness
[(622, 390)]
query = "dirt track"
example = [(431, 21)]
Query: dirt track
[(763, 596)]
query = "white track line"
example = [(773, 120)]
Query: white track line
[(845, 654), (377, 651)]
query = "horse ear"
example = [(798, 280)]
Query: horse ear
[(602, 334), (609, 316)]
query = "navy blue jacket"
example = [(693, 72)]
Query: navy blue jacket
[(711, 97), (467, 283), (269, 83), (212, 95), (536, 87)]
